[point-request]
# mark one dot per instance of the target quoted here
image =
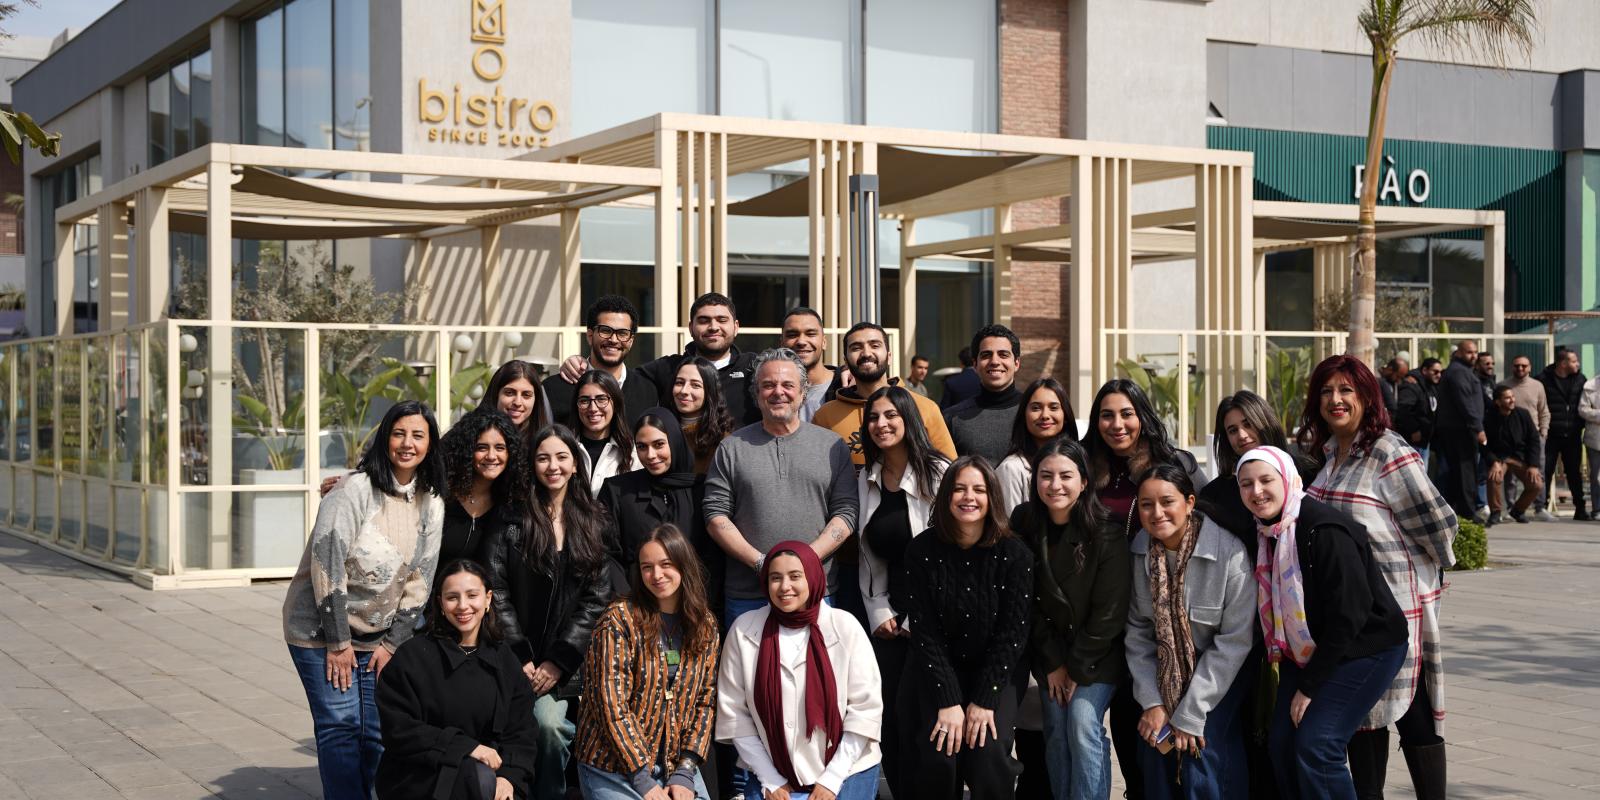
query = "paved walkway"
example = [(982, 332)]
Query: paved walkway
[(107, 690)]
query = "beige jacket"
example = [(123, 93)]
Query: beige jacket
[(859, 691)]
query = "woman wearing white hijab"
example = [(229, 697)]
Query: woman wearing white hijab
[(1329, 621)]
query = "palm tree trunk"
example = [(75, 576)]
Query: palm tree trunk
[(1364, 283)]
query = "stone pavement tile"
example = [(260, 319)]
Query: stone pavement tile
[(67, 728), (94, 789), (187, 790), (47, 773), (1515, 716), (1527, 775), (252, 737), (296, 726), (114, 751), (175, 734), (211, 721), (139, 775), (260, 784), (206, 754), (30, 748), (144, 716)]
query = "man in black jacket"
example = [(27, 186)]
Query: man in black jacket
[(1513, 448), (1563, 388), (1458, 430), (612, 323)]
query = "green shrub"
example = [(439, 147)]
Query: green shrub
[(1471, 546)]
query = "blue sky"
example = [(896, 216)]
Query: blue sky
[(49, 17)]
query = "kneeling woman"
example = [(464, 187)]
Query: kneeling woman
[(457, 714), (800, 695), (969, 592), (1324, 606), (645, 728), (1189, 631)]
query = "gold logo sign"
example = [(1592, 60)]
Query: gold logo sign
[(461, 116)]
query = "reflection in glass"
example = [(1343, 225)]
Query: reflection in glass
[(69, 529), (939, 73), (200, 99), (786, 60), (22, 393), (308, 74), (129, 512), (22, 514), (7, 497), (69, 413), (158, 94), (672, 36), (261, 60), (180, 109), (44, 504), (44, 405), (352, 87)]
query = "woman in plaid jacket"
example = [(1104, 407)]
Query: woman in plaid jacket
[(644, 730), (1371, 474)]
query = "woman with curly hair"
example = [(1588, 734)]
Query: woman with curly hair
[(702, 411), (604, 427), (489, 478), (550, 585), (1370, 473)]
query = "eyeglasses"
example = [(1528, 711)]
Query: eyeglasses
[(596, 401), (608, 332)]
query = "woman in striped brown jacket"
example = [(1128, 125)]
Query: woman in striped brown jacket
[(644, 730)]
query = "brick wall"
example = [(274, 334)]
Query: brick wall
[(1033, 102)]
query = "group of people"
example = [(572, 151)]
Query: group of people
[(722, 574), (1482, 437)]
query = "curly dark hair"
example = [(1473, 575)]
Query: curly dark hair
[(458, 446)]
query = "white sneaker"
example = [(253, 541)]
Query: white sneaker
[(1481, 516), (1544, 515)]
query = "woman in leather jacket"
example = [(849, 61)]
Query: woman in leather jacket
[(551, 583)]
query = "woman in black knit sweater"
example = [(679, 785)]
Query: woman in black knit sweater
[(968, 597)]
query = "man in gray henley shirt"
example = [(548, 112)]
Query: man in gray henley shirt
[(780, 478)]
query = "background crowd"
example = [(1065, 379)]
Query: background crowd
[(728, 574)]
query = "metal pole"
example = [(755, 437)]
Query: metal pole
[(867, 305)]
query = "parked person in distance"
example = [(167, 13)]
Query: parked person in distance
[(1188, 635), (611, 328), (1370, 474), (897, 488), (365, 576), (697, 402), (457, 714), (646, 725), (550, 586), (866, 358), (969, 591), (489, 480), (1045, 415), (1563, 386), (1329, 619), (1080, 611), (799, 693), (1513, 450), (604, 429), (981, 425), (1531, 398)]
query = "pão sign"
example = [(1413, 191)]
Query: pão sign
[(1416, 187)]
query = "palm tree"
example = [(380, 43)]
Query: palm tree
[(1488, 29)]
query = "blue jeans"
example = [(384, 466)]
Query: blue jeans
[(1309, 760), (554, 734), (1219, 772), (1077, 751), (598, 784), (349, 740), (861, 786)]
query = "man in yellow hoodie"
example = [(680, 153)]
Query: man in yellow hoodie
[(866, 356)]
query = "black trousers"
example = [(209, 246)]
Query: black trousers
[(1125, 714), (891, 655), (988, 771), (1459, 449), (474, 781), (1569, 448)]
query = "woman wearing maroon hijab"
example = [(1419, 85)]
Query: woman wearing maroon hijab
[(799, 695)]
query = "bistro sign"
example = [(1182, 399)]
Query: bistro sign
[(459, 115)]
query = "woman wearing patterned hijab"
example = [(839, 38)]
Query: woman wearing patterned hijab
[(1189, 629), (1329, 621)]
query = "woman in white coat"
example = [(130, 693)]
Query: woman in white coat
[(799, 694), (896, 487), (604, 429)]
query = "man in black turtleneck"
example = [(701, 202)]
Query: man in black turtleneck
[(982, 425)]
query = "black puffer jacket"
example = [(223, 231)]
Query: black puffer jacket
[(547, 614), (1563, 394), (1460, 400)]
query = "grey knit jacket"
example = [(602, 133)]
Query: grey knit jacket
[(357, 584)]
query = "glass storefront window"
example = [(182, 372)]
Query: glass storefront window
[(352, 67), (200, 99), (179, 108), (261, 61), (158, 92), (673, 36), (308, 76), (940, 73), (784, 60)]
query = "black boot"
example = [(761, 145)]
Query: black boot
[(1426, 763), (1369, 762)]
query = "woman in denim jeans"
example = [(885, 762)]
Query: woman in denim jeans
[(365, 577), (1080, 611)]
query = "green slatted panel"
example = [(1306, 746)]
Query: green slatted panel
[(1526, 184)]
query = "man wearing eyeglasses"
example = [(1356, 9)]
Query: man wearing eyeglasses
[(612, 324)]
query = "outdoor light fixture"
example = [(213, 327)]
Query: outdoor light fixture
[(513, 340), (476, 392), (421, 369), (187, 343), (463, 343), (195, 378)]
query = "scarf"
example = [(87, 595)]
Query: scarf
[(1174, 643), (1280, 585), (819, 701), (680, 475)]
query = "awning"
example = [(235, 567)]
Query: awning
[(413, 196), (902, 175), (293, 229)]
